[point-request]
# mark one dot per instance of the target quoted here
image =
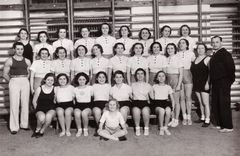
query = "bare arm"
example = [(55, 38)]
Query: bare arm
[(109, 75), (172, 100), (129, 75), (32, 74), (147, 75), (35, 97), (6, 69)]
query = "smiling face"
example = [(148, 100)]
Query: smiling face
[(43, 38), (145, 34), (112, 106), (124, 32), (96, 51), (85, 33), (118, 78), (216, 43), (82, 81), (81, 51), (140, 75), (19, 50), (23, 35), (201, 50), (185, 31), (105, 29), (62, 33), (61, 54), (156, 49), (166, 32), (44, 54), (49, 81), (138, 49), (161, 77), (182, 45), (62, 80), (171, 50), (101, 79), (119, 49)]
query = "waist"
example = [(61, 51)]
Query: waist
[(16, 76)]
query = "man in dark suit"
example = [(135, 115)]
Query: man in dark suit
[(222, 75)]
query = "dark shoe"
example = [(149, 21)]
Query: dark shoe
[(13, 132), (95, 134), (39, 135), (35, 134), (205, 124), (26, 129), (123, 138), (102, 138)]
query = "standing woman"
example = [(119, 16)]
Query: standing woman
[(156, 61), (106, 40), (200, 73), (24, 37), (145, 38), (187, 57), (136, 61), (16, 72), (98, 63), (122, 93), (85, 40), (83, 94), (174, 73), (64, 94), (101, 91), (81, 63), (184, 32), (43, 40), (64, 42), (43, 102), (40, 68), (125, 34), (118, 61), (141, 92), (62, 63), (165, 33)]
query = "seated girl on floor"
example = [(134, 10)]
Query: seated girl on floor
[(111, 121)]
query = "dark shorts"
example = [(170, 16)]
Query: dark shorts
[(44, 110), (83, 106), (124, 103), (140, 103), (65, 105), (100, 104), (162, 103)]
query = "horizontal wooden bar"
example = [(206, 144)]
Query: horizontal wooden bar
[(10, 7)]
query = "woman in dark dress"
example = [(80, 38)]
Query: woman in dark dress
[(200, 73), (24, 37)]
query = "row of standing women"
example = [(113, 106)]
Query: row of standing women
[(176, 65)]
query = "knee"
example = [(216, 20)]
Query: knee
[(68, 113), (41, 118), (60, 112), (77, 113)]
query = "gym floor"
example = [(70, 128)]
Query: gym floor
[(184, 141)]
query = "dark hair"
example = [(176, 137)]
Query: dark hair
[(140, 33), (133, 47), (180, 29), (76, 50), (99, 47), (139, 69), (57, 51), (23, 29), (81, 74), (165, 26), (46, 76), (124, 26), (187, 43), (115, 46), (80, 31), (107, 104), (156, 76), (58, 30), (39, 53), (118, 72), (62, 74), (171, 44), (97, 75), (42, 32), (151, 47), (205, 46), (216, 36), (100, 29), (17, 44)]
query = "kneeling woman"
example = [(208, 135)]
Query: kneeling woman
[(43, 102), (83, 94), (162, 105), (111, 121), (64, 98), (122, 93), (141, 91)]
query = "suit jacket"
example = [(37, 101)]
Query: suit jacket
[(222, 66)]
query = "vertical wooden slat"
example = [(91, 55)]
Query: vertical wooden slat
[(200, 20), (113, 16), (70, 14), (26, 14), (156, 19)]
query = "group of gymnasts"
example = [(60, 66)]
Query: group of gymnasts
[(108, 78)]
